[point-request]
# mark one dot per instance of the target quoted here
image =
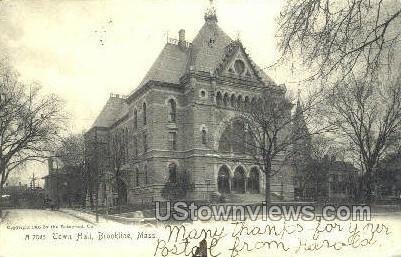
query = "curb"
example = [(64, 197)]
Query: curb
[(77, 216)]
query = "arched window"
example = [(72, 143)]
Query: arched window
[(239, 102), (144, 114), (253, 103), (232, 100), (204, 136), (126, 148), (137, 182), (135, 119), (171, 110), (172, 173), (253, 181), (135, 146), (145, 170), (246, 103), (173, 140), (226, 99), (219, 98)]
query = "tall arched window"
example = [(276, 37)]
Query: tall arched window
[(246, 103), (219, 98), (137, 183), (232, 101), (126, 148), (135, 146), (144, 114), (239, 102), (204, 136), (226, 99), (172, 172), (135, 119), (171, 110), (145, 170)]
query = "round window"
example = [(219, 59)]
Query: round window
[(203, 93), (239, 66)]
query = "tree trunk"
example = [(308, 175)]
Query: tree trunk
[(370, 186), (1, 201), (267, 188)]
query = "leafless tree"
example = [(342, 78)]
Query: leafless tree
[(97, 163), (30, 122), (118, 157), (71, 150), (338, 38), (368, 115)]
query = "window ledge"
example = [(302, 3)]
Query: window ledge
[(171, 125)]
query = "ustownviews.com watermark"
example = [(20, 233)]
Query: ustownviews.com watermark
[(183, 211)]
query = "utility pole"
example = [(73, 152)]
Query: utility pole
[(33, 181)]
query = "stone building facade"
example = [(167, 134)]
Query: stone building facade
[(174, 122)]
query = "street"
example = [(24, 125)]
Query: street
[(36, 217)]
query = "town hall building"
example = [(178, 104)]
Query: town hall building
[(176, 122)]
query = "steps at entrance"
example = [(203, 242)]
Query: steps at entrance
[(249, 198)]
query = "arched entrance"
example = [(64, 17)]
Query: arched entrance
[(122, 192), (253, 181), (239, 180), (223, 180)]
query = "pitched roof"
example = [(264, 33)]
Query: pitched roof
[(169, 66), (111, 112), (206, 53)]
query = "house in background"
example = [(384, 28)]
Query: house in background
[(64, 184)]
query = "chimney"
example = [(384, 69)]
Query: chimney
[(181, 38)]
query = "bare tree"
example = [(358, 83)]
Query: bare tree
[(338, 38), (71, 152), (118, 157), (29, 123), (97, 164), (368, 115)]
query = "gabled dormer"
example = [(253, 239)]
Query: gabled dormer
[(236, 62)]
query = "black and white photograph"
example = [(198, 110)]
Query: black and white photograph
[(200, 128)]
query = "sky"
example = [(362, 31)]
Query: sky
[(85, 50)]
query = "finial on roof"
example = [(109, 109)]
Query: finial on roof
[(210, 14)]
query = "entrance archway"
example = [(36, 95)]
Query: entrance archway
[(223, 180), (122, 192), (239, 180), (253, 181)]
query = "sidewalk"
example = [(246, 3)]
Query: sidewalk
[(89, 216), (84, 215)]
